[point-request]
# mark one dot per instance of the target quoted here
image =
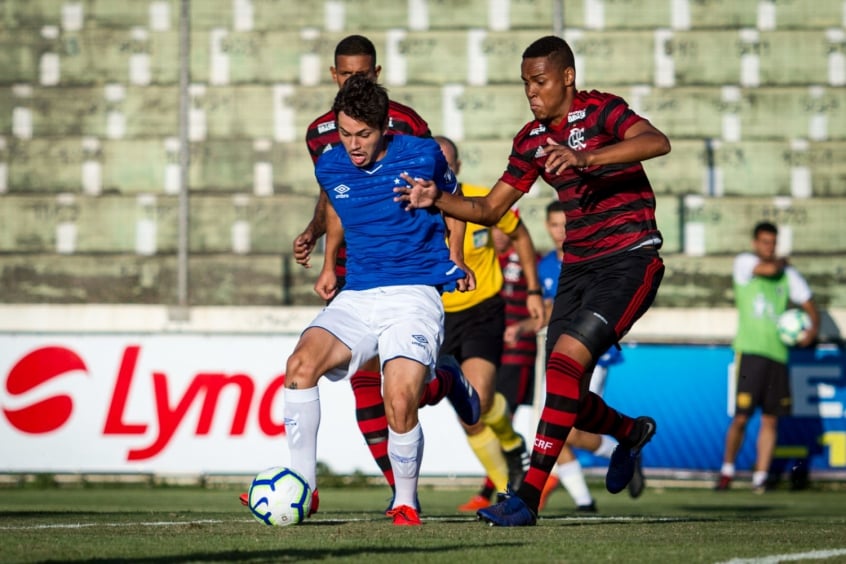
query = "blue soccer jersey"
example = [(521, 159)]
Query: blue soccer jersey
[(549, 268), (388, 246)]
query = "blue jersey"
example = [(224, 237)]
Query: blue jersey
[(549, 269), (388, 246)]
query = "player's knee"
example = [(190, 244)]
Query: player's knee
[(401, 412), (300, 372), (593, 331)]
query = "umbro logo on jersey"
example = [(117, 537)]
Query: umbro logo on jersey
[(421, 339), (341, 191), (537, 131), (324, 127), (574, 116)]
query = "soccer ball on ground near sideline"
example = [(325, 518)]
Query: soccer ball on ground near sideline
[(280, 497), (792, 326)]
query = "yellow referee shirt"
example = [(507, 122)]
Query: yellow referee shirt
[(480, 256)]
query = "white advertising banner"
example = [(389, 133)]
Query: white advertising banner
[(178, 404)]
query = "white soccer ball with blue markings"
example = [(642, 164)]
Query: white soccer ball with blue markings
[(280, 497), (793, 325)]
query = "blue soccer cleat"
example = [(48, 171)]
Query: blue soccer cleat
[(626, 459), (461, 395), (511, 511)]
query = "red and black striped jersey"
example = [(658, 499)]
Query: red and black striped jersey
[(610, 208), (322, 134), (514, 292)]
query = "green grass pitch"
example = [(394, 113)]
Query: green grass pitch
[(193, 524)]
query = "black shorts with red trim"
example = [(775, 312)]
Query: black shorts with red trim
[(617, 289)]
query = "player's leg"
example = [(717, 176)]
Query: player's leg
[(410, 333), (588, 317), (370, 415), (776, 402), (481, 437), (734, 439), (623, 290), (403, 384), (515, 381), (767, 435), (481, 340), (569, 473), (749, 379), (334, 345), (316, 353)]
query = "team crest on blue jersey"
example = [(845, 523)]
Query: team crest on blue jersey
[(341, 191)]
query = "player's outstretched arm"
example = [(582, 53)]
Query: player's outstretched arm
[(486, 210)]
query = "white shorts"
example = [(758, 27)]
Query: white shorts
[(388, 322)]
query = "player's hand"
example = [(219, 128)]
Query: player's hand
[(326, 285), (303, 245), (512, 334), (468, 283), (809, 339), (559, 158), (537, 311), (418, 194)]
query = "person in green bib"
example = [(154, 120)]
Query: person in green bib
[(764, 287)]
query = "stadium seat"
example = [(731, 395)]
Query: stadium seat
[(216, 280), (722, 225), (749, 57)]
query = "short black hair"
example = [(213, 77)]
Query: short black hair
[(553, 47), (555, 206), (363, 100), (352, 45), (764, 227)]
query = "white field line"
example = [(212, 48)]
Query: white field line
[(48, 526), (776, 558)]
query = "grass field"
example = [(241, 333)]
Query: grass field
[(193, 524)]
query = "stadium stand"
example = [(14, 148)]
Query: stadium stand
[(751, 93)]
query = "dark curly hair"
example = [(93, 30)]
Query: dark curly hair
[(363, 100)]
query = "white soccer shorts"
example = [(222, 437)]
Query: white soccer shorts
[(389, 322)]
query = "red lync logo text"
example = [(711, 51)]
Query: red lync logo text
[(204, 389)]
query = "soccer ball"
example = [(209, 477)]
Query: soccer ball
[(792, 326), (280, 497)]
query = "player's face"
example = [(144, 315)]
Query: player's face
[(450, 156), (547, 87), (362, 142), (348, 65), (556, 226), (765, 245)]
